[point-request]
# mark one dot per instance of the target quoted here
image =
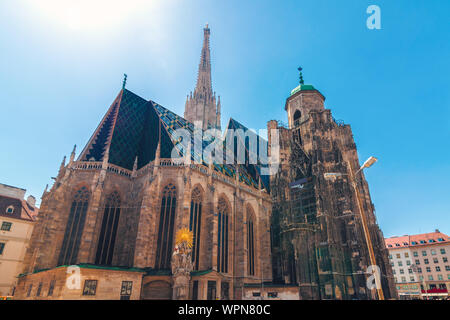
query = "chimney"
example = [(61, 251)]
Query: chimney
[(31, 201)]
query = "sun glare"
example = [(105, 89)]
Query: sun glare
[(91, 15)]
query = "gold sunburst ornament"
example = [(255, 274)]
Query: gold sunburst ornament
[(186, 236)]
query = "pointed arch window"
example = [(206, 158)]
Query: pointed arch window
[(74, 228), (165, 230), (222, 236), (108, 231), (195, 225), (250, 242), (297, 116)]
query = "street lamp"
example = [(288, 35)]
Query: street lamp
[(332, 176)]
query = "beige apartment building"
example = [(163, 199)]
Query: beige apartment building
[(420, 265), (17, 218)]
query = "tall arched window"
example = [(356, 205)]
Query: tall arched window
[(222, 236), (195, 224), (165, 230), (110, 222), (250, 242), (74, 228), (297, 116)]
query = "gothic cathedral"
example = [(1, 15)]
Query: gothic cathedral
[(107, 227)]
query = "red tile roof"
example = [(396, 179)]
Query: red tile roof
[(22, 210), (414, 240)]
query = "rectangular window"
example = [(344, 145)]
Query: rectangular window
[(417, 262), (435, 260), (403, 279), (440, 277), (433, 252), (410, 271), (415, 254), (426, 261), (400, 264), (90, 287), (438, 269), (39, 289), (6, 226), (51, 287), (408, 263), (195, 290), (428, 269), (430, 277), (419, 270), (401, 271), (424, 253), (398, 255), (390, 256), (211, 293), (2, 247), (406, 255), (393, 271), (442, 251), (444, 259), (126, 289), (30, 287), (447, 268), (411, 279), (272, 294), (448, 276)]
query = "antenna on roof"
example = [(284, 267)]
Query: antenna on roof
[(124, 80)]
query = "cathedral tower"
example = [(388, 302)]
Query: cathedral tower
[(317, 226), (201, 105)]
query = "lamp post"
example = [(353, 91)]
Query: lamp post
[(332, 176)]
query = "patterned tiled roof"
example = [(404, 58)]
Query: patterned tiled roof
[(131, 129)]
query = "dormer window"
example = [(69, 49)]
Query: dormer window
[(10, 210), (414, 243), (431, 241), (397, 245), (405, 243)]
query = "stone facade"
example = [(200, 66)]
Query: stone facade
[(141, 194), (318, 239)]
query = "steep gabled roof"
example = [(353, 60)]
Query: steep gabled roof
[(133, 126), (251, 152)]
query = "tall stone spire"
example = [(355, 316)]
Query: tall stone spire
[(201, 106), (204, 67)]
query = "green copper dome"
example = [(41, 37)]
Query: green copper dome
[(302, 87)]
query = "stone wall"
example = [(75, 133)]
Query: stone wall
[(140, 193)]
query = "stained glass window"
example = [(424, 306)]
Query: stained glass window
[(165, 230), (74, 228), (222, 236), (195, 224), (107, 237)]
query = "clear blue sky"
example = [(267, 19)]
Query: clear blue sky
[(62, 62)]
